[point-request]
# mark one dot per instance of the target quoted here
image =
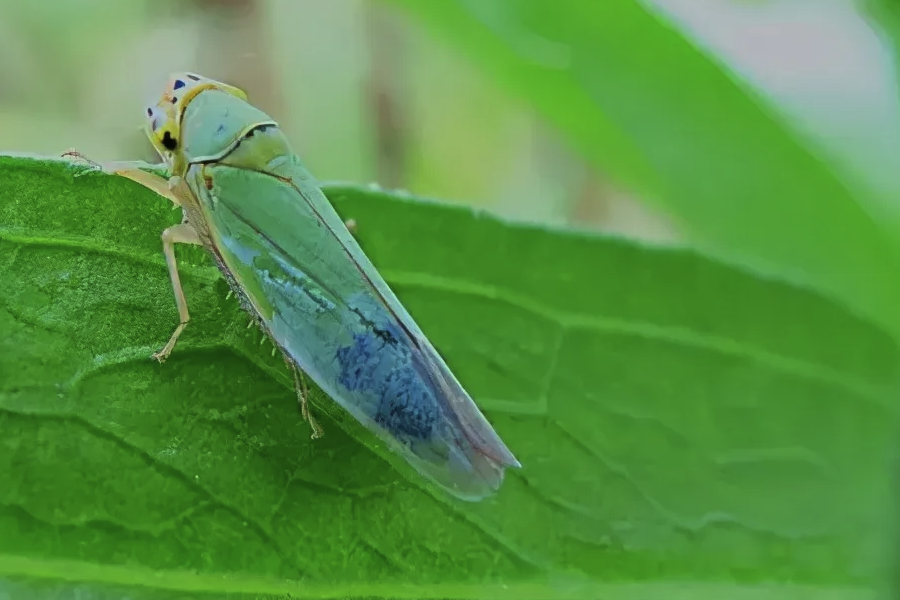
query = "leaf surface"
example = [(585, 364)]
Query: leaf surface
[(677, 419)]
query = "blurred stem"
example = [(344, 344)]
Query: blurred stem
[(600, 205), (234, 47), (385, 88), (588, 203), (591, 205)]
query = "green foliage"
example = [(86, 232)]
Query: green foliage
[(884, 15), (677, 419), (665, 119)]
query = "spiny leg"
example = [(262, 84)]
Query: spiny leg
[(73, 153), (302, 394), (131, 170), (182, 233)]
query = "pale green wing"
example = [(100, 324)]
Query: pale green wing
[(333, 313)]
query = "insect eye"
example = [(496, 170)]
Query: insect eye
[(178, 84)]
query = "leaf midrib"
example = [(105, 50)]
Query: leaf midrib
[(561, 588)]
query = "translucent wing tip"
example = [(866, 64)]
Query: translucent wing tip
[(483, 455), (466, 471), (498, 453), (479, 479), (484, 438)]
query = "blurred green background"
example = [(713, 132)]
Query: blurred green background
[(369, 94), (364, 90)]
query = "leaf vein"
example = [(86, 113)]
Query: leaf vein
[(172, 471), (679, 336)]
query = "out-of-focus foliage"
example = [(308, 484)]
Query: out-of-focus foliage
[(641, 100), (81, 76)]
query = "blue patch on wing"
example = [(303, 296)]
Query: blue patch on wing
[(378, 363)]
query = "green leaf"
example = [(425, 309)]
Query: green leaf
[(678, 420), (663, 117), (884, 16)]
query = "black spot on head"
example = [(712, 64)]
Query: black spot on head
[(174, 99), (149, 112), (168, 142), (193, 77), (178, 84)]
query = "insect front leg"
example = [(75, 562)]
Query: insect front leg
[(131, 170), (302, 394), (182, 233)]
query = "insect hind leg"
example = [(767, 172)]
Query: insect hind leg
[(302, 399)]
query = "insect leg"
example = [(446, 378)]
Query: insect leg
[(302, 393), (182, 233), (132, 171)]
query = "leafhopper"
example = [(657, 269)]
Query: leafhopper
[(284, 251)]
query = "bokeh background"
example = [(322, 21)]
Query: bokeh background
[(369, 95)]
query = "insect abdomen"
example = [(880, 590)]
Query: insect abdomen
[(378, 363)]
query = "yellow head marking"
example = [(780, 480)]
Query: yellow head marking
[(164, 118)]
